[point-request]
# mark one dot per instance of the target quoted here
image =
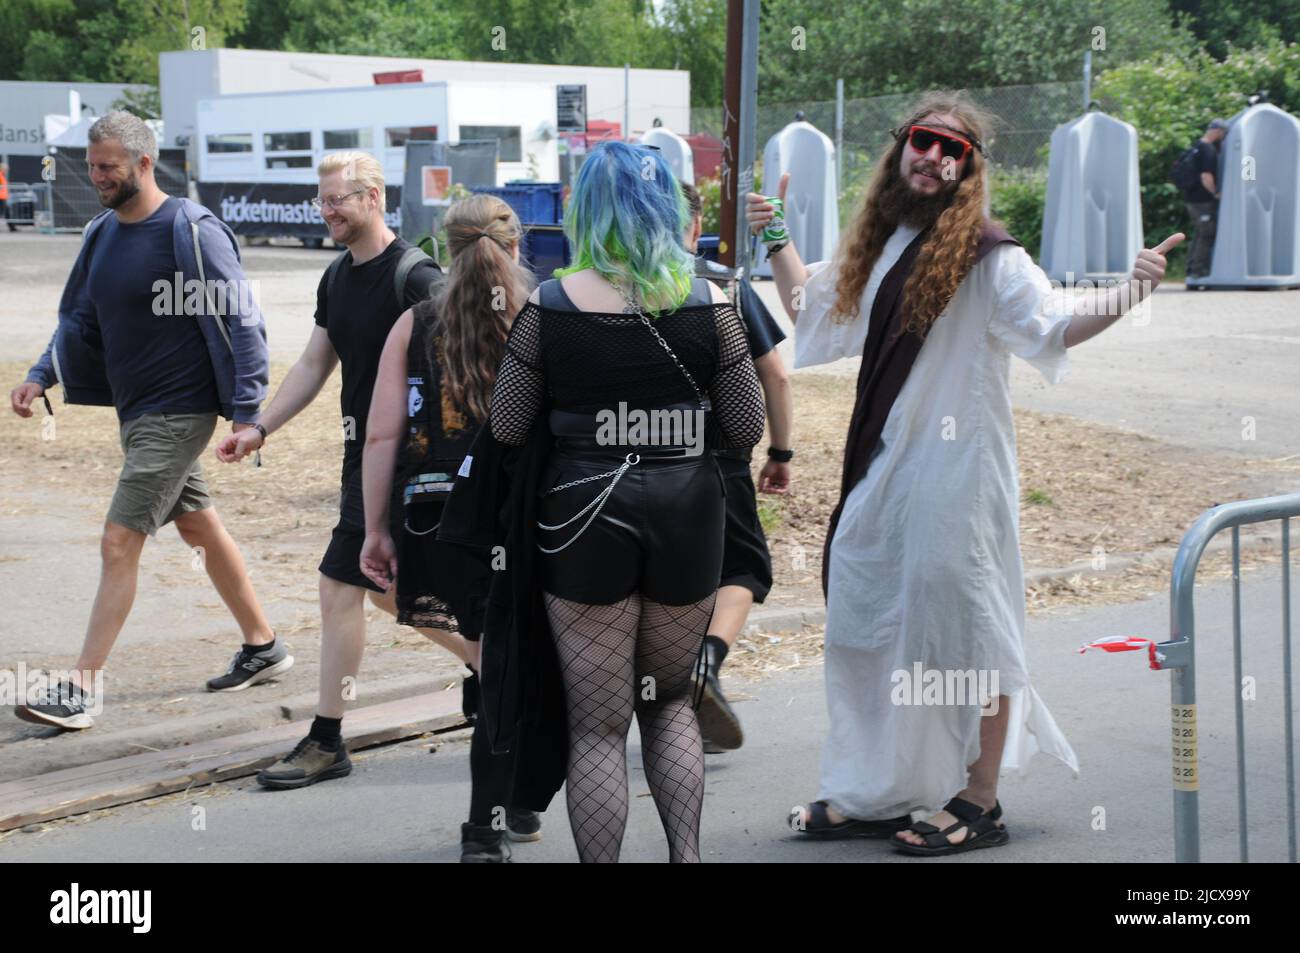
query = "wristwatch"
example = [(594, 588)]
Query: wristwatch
[(780, 456), (262, 430), (775, 247)]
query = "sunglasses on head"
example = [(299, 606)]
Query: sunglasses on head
[(951, 146)]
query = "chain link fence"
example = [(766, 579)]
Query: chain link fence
[(1025, 117)]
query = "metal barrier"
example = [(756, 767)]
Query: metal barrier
[(1179, 657), (29, 204)]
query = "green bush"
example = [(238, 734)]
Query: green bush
[(710, 189), (1017, 199), (856, 176)]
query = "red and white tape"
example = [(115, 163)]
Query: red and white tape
[(1126, 643)]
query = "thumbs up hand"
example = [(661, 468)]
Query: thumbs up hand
[(1149, 268)]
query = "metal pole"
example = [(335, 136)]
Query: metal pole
[(1286, 693), (728, 213), (748, 129), (627, 102), (1242, 839), (839, 136), (1182, 697), (1087, 79)]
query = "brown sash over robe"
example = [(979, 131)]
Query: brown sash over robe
[(887, 359)]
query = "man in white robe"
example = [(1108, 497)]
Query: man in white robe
[(924, 581)]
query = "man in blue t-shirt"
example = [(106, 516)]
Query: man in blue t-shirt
[(746, 562), (169, 372)]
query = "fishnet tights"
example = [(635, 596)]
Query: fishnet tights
[(634, 655)]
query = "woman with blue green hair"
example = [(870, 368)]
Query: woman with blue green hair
[(643, 371)]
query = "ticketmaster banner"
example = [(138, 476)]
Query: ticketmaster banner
[(279, 210)]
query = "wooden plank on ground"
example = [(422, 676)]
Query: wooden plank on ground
[(56, 794)]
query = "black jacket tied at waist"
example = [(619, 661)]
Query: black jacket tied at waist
[(488, 557)]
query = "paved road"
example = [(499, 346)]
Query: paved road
[(1197, 372), (404, 803)]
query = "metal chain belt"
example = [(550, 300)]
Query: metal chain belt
[(632, 459)]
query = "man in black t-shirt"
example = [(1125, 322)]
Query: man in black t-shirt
[(359, 299), (1203, 200), (746, 562)]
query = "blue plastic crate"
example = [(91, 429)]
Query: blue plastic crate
[(708, 247), (536, 203), (545, 249)]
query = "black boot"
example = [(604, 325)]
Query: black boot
[(469, 696), (718, 723), (483, 844), (523, 826)]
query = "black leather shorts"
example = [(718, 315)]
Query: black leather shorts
[(660, 532)]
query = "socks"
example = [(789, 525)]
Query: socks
[(258, 649), (719, 647), (327, 731)]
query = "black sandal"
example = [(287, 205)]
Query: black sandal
[(819, 826), (982, 830)]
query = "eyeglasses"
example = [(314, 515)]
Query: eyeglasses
[(333, 201), (921, 138)]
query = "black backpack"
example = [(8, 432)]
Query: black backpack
[(1185, 172)]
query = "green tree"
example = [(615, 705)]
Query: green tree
[(897, 46), (692, 35), (143, 101), (1222, 25), (373, 28), (115, 42)]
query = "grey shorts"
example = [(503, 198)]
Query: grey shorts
[(161, 476)]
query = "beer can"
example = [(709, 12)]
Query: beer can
[(775, 231)]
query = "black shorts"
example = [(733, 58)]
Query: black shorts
[(746, 560), (659, 533), (342, 559)]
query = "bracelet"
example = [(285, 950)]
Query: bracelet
[(780, 456), (262, 430)]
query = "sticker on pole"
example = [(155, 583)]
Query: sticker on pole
[(1183, 722), (1126, 643)]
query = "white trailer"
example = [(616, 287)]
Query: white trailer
[(186, 77), (280, 137)]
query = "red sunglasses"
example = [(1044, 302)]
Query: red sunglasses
[(921, 138)]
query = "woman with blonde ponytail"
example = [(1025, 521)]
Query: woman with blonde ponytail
[(432, 394)]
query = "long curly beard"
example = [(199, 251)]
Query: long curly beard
[(900, 203), (946, 258)]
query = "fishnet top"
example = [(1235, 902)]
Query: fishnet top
[(586, 361)]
